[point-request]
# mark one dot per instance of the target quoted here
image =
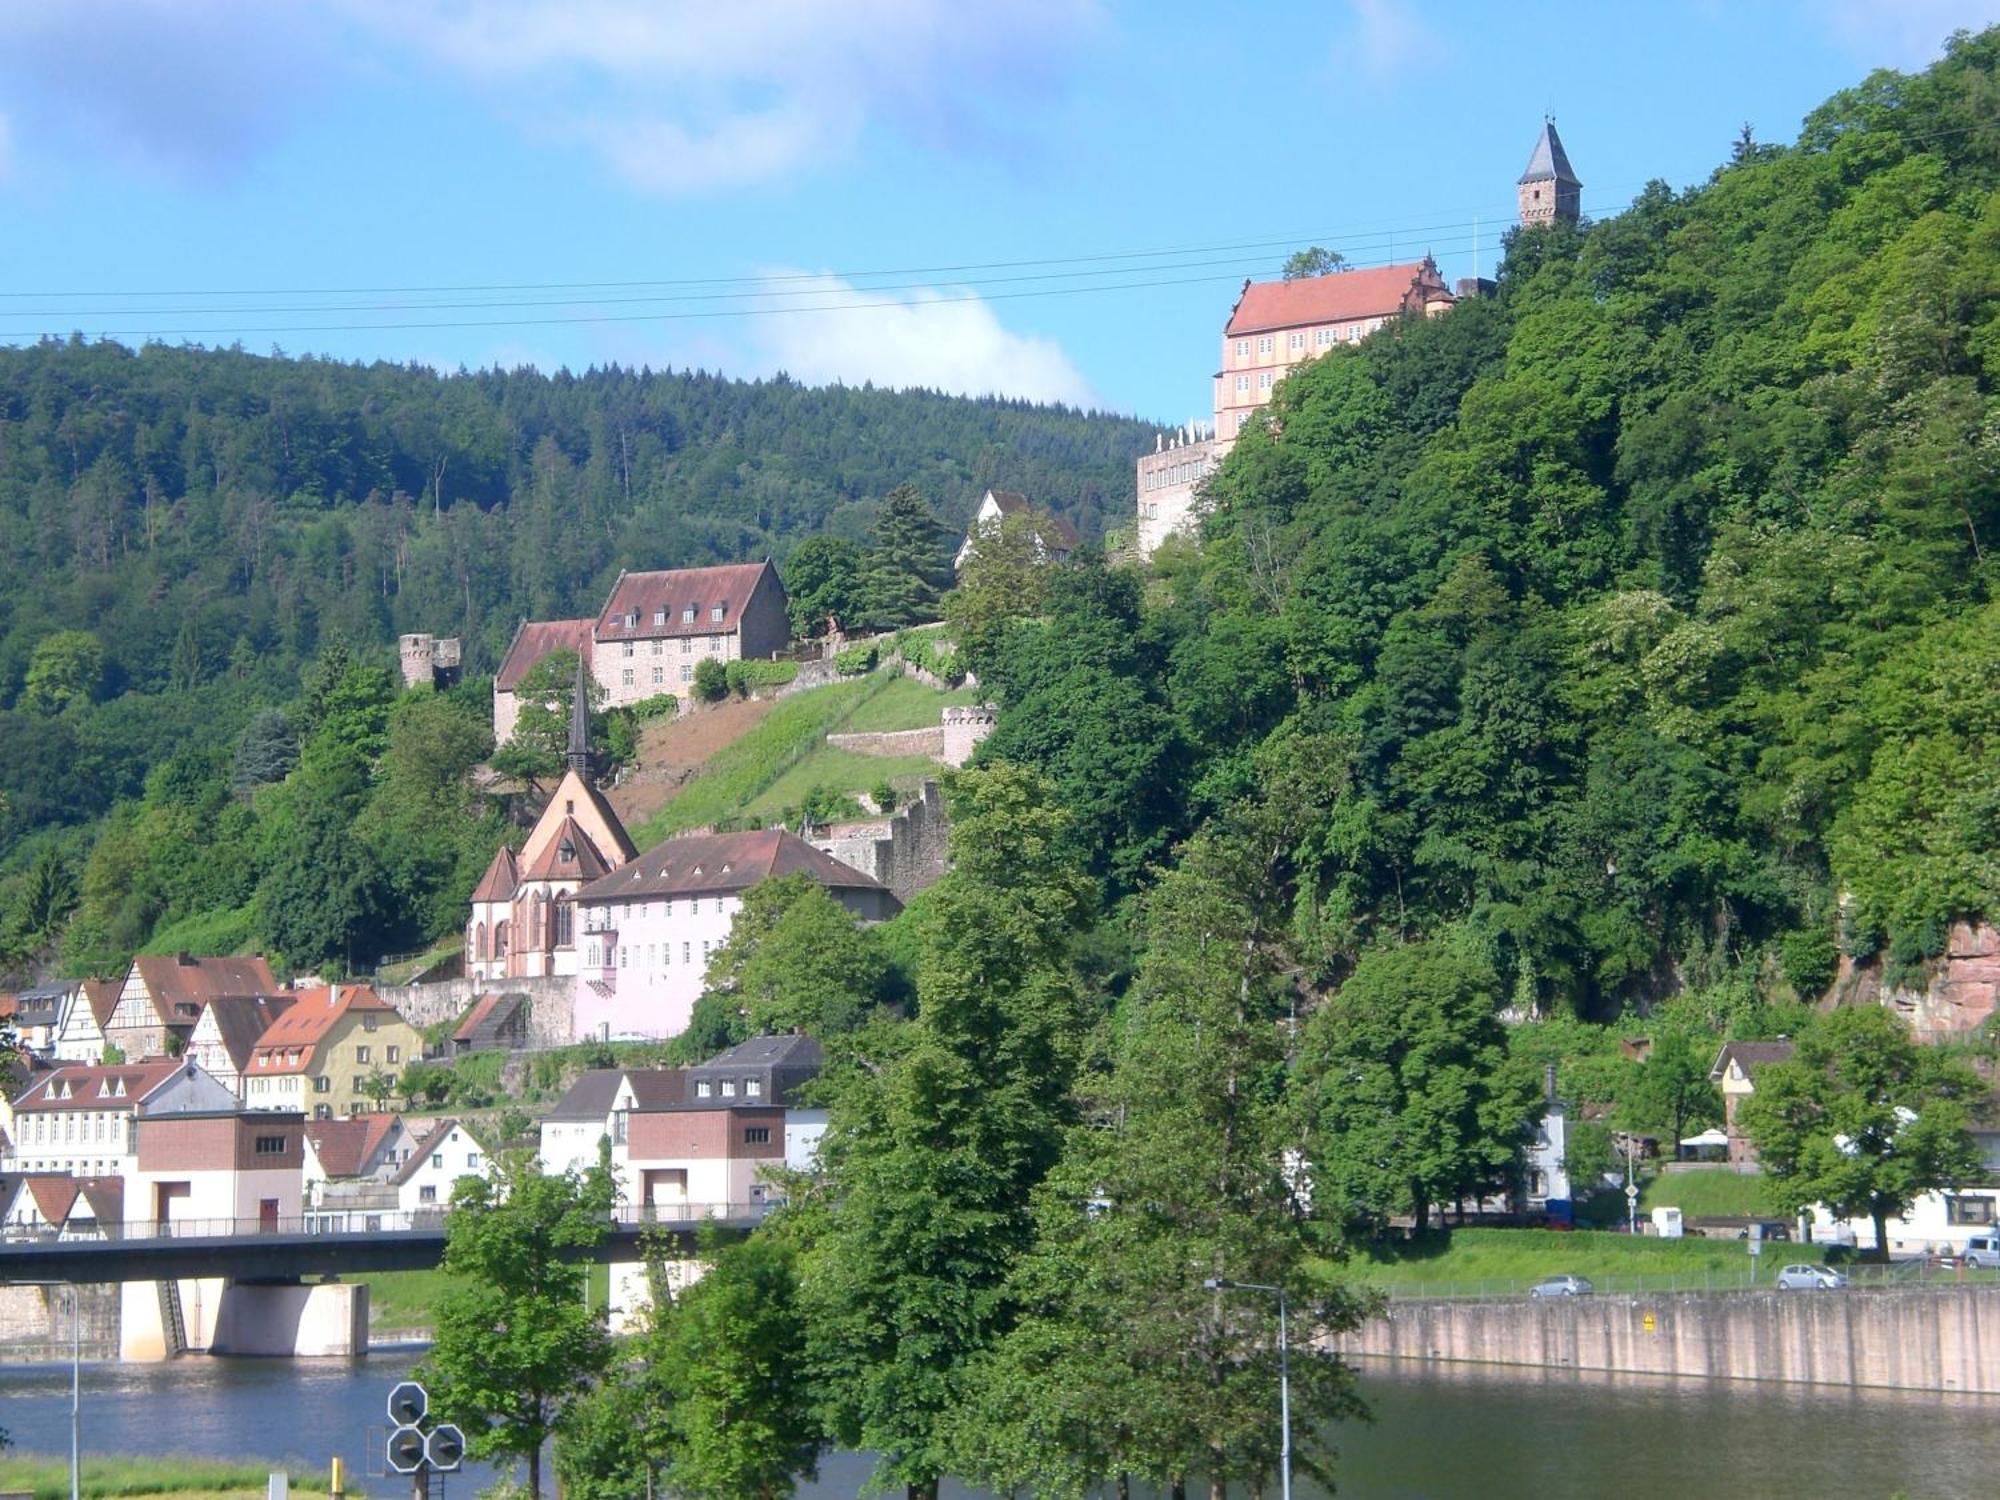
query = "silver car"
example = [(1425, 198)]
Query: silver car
[(1561, 1286), (1808, 1278)]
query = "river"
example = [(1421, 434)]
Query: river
[(1441, 1432)]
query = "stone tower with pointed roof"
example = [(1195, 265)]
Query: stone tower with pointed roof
[(1549, 190)]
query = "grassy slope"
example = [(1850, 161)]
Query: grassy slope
[(905, 703), (1699, 1194), (840, 770), (1512, 1260), (46, 1476), (405, 1299)]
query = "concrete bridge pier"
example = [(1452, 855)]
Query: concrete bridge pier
[(163, 1319)]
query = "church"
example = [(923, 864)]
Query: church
[(523, 922)]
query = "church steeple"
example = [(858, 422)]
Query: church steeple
[(1549, 190), (577, 757)]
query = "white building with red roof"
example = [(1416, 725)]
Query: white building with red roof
[(165, 993), (649, 927), (80, 1118)]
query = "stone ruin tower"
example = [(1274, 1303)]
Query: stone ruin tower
[(428, 661), (1549, 190)]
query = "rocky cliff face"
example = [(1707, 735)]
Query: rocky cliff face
[(1963, 986)]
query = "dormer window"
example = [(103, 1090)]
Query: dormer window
[(717, 613), (729, 1088), (566, 852), (701, 1089), (687, 614), (631, 619), (660, 615), (753, 1087)]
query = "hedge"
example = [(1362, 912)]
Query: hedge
[(855, 661)]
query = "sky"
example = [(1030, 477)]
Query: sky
[(1048, 199)]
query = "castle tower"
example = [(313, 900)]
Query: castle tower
[(1549, 190)]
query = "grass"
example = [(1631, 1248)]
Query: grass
[(230, 930), (408, 1299), (1497, 1261), (737, 775), (840, 770), (1702, 1194), (905, 703), (107, 1477)]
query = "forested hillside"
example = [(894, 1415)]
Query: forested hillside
[(1619, 627)]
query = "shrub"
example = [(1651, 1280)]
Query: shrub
[(885, 796), (711, 680), (659, 706), (746, 677), (1810, 959), (621, 736), (929, 650), (856, 660)]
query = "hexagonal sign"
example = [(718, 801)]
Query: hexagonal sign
[(405, 1450), (408, 1403), (445, 1447)]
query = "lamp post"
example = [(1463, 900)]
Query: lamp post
[(1222, 1284), (75, 1378)]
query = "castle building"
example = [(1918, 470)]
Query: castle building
[(1549, 190), (523, 919), (1278, 325), (429, 661)]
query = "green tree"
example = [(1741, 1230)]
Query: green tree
[(66, 668), (711, 680), (933, 1151), (1670, 1095), (320, 901), (541, 728), (907, 568), (267, 751), (515, 1349), (797, 960), (1862, 1119), (1412, 1099), (822, 582), (1315, 260), (45, 897)]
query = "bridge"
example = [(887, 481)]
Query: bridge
[(338, 1242)]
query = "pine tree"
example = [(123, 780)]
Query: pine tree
[(908, 567)]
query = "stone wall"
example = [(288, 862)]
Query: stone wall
[(964, 728), (1959, 990), (906, 853), (1916, 1339), (893, 742), (551, 1004), (35, 1323)]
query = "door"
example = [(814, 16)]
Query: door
[(666, 1192), (267, 1216), (169, 1204)]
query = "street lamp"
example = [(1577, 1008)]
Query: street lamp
[(1222, 1284), (75, 1378)]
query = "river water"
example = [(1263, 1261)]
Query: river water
[(1441, 1432)]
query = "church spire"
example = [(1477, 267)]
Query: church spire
[(1549, 191), (577, 757)]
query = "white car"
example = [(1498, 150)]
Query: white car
[(1810, 1278), (1561, 1286)]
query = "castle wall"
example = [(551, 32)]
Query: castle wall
[(551, 1003), (907, 853), (893, 742), (963, 729)]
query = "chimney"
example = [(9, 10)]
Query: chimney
[(184, 959)]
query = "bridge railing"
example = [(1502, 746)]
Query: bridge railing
[(342, 1222)]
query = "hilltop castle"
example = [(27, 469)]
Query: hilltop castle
[(1276, 325)]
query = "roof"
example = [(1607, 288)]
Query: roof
[(1548, 162), (1014, 503), (22, 1073), (489, 1015), (590, 1097), (658, 1088), (534, 640), (241, 1020), (98, 1086), (53, 1193), (672, 592), (1377, 292), (344, 1147), (105, 1198), (176, 980), (570, 855), (699, 864), (420, 1154), (299, 1030), (103, 997), (40, 1006), (1749, 1057), (501, 876), (793, 1051)]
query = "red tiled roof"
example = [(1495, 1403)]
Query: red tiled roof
[(103, 997), (583, 862), (498, 883), (1340, 297), (536, 639), (96, 1086), (105, 1198), (674, 591), (242, 1020), (344, 1147), (300, 1029), (702, 863), (53, 1192), (177, 980), (483, 1007)]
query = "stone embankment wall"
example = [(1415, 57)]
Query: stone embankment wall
[(35, 1323), (551, 1004), (1961, 988), (1917, 1339), (893, 742), (906, 852)]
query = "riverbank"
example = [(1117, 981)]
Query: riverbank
[(125, 1477)]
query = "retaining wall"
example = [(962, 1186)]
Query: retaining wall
[(1919, 1339), (35, 1323), (551, 1003), (894, 742)]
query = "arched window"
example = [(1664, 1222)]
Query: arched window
[(565, 922), (537, 932), (499, 939), (479, 944)]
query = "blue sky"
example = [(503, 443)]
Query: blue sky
[(940, 192)]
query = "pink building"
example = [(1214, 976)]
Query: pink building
[(648, 929)]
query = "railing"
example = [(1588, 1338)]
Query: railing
[(335, 1222), (1861, 1276)]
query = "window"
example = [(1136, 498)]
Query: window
[(687, 615), (368, 1023), (269, 1145), (718, 612), (322, 1084), (729, 1088), (659, 676), (621, 955), (687, 672), (702, 1089), (1965, 1210), (684, 954), (360, 1084), (687, 645), (1264, 344), (625, 677), (322, 1111), (628, 648), (660, 615), (472, 1159), (395, 1053), (715, 643), (753, 1087), (1322, 337), (1296, 341), (658, 647), (361, 1054), (756, 1135), (1243, 348), (631, 619), (1263, 384), (437, 1160), (1242, 384), (427, 1194)]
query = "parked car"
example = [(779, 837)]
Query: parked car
[(1810, 1278), (1561, 1286), (1983, 1251)]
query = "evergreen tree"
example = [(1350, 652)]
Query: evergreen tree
[(908, 567)]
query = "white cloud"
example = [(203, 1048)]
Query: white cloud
[(947, 341), (1899, 33), (1389, 38), (690, 95)]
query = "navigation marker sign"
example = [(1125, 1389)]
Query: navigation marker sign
[(408, 1403)]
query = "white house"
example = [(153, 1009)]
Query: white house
[(79, 1119), (650, 927), (81, 1035), (423, 1184), (1055, 538)]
